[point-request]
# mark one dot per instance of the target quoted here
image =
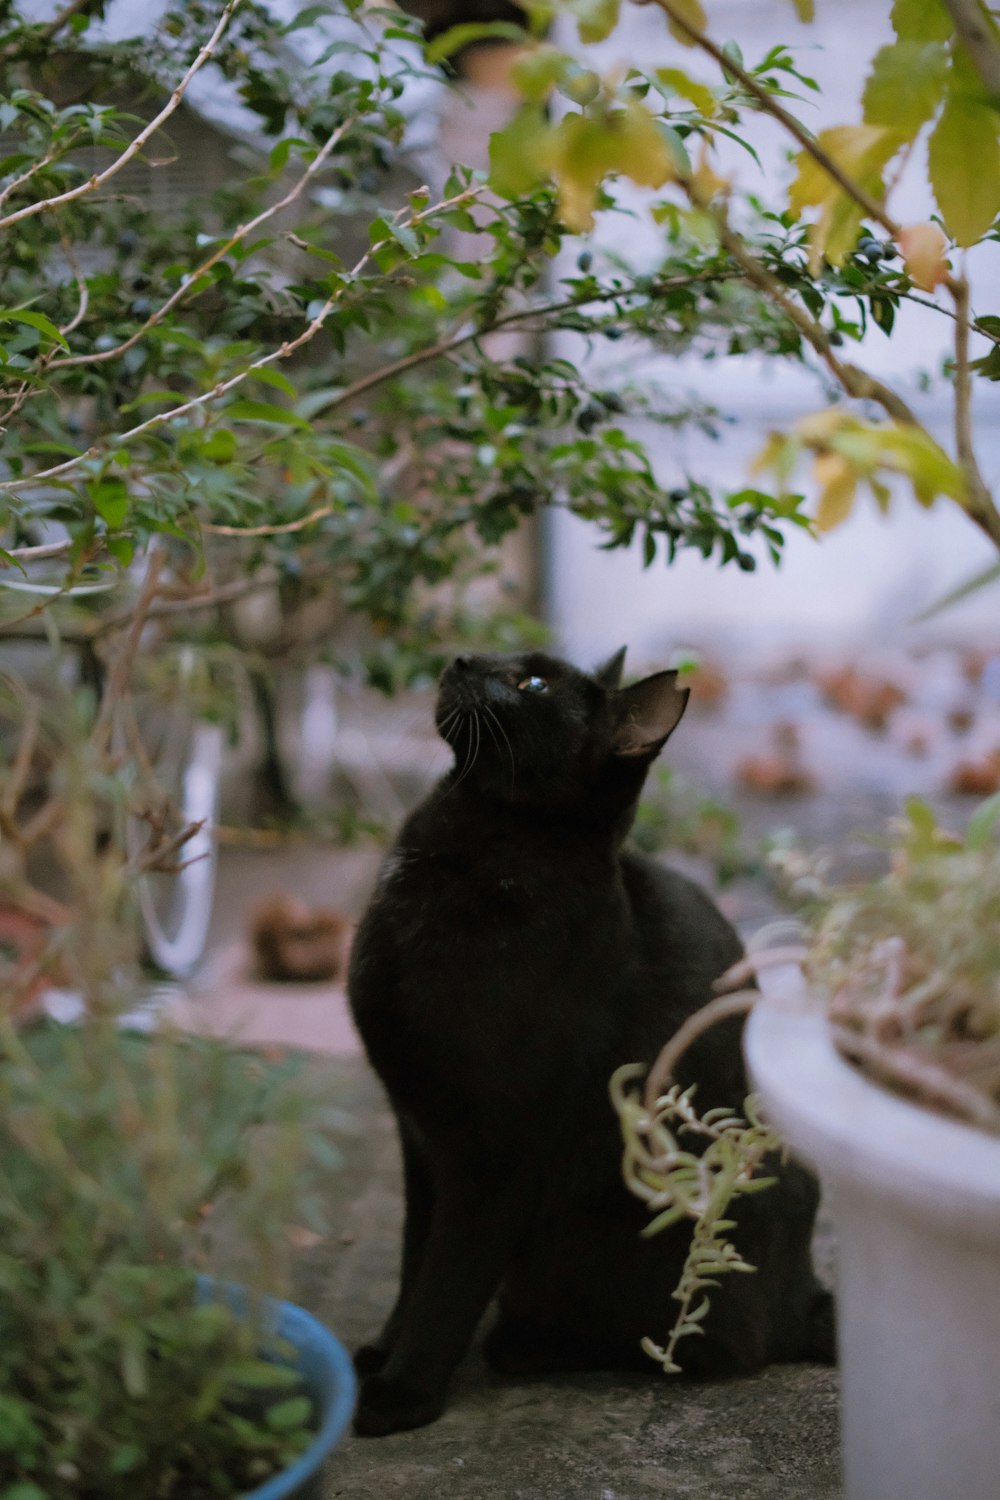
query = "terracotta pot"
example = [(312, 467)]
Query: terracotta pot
[(22, 941)]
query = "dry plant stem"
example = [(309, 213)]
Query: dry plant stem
[(81, 284), (919, 1077), (283, 352), (33, 170), (240, 234), (979, 38), (37, 554), (741, 973), (720, 1009), (979, 504), (284, 529), (135, 146)]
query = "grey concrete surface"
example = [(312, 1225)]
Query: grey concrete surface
[(580, 1437)]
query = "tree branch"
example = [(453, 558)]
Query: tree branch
[(855, 382), (285, 350), (978, 35), (135, 146), (980, 504), (244, 230), (872, 207)]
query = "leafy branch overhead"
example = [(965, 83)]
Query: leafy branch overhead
[(928, 94), (290, 375)]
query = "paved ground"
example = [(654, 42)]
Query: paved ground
[(586, 1437)]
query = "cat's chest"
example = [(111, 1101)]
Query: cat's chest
[(430, 889)]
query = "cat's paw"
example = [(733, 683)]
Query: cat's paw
[(369, 1359), (387, 1405)]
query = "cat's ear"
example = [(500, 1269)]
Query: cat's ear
[(648, 712), (610, 675)]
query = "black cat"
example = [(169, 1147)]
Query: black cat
[(513, 955)]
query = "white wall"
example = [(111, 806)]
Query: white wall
[(866, 580)]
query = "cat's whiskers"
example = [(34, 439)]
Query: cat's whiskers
[(492, 715), (471, 723)]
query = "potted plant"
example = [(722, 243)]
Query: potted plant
[(151, 1187), (882, 1071), (874, 1047)]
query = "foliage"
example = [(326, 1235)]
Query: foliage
[(908, 966), (130, 1164), (678, 1184), (834, 234), (285, 412), (675, 815)]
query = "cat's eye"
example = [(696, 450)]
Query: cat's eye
[(533, 685)]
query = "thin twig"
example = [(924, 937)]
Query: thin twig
[(978, 36), (280, 530), (32, 171), (240, 234), (284, 351), (979, 503), (98, 179), (856, 382)]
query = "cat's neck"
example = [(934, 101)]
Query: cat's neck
[(457, 809)]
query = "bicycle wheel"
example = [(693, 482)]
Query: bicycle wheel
[(177, 768)]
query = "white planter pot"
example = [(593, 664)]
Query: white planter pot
[(915, 1199)]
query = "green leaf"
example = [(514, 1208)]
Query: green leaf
[(520, 153), (34, 320), (979, 829), (263, 411), (595, 19), (673, 82), (906, 85), (219, 447), (122, 549), (267, 375), (286, 1416), (541, 69), (964, 158), (692, 12), (110, 497), (921, 20), (456, 37)]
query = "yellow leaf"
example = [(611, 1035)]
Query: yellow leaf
[(691, 12), (854, 148), (861, 152), (642, 152), (805, 9), (838, 486), (924, 248), (963, 157), (705, 183)]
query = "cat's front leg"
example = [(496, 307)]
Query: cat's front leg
[(418, 1188), (471, 1237)]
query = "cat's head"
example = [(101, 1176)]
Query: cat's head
[(531, 729)]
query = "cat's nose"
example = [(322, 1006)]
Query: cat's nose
[(463, 663)]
